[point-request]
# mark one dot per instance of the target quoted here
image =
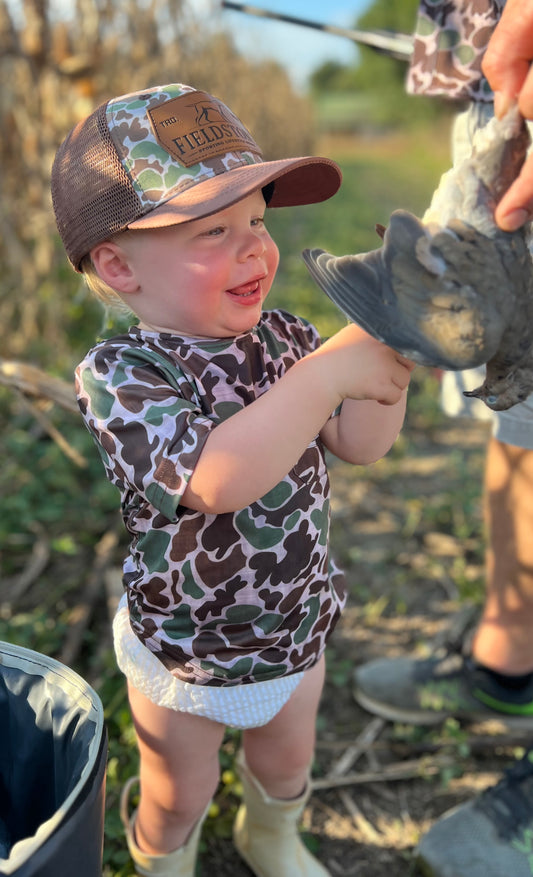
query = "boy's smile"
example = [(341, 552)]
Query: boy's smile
[(205, 278), (247, 292)]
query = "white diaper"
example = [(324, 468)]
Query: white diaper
[(238, 706)]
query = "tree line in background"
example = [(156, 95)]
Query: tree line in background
[(374, 85)]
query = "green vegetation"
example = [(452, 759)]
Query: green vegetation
[(370, 94)]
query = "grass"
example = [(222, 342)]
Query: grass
[(74, 507)]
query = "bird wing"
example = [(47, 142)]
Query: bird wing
[(433, 295), (358, 285)]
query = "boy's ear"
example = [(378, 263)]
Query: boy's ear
[(113, 267)]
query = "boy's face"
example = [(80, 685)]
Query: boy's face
[(206, 278)]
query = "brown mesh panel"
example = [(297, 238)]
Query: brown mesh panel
[(92, 195)]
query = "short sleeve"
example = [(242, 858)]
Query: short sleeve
[(150, 432)]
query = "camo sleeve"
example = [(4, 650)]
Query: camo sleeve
[(449, 42), (148, 427)]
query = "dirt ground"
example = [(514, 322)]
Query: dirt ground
[(408, 532)]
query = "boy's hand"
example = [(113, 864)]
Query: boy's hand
[(357, 366)]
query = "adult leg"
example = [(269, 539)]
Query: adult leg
[(504, 637), (491, 835), (495, 677)]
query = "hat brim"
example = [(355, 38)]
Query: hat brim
[(305, 180)]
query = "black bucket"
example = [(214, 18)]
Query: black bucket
[(53, 750)]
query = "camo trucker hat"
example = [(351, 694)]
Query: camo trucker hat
[(163, 156)]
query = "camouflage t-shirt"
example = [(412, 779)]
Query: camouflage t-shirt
[(220, 599), (449, 42)]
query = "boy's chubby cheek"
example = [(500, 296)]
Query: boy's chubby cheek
[(272, 264)]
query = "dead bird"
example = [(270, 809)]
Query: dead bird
[(452, 290)]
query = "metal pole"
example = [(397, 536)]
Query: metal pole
[(397, 45)]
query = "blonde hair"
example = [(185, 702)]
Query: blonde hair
[(107, 295), (99, 287)]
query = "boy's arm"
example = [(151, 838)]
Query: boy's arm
[(246, 455), (364, 431)]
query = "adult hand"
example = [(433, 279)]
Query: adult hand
[(507, 66)]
